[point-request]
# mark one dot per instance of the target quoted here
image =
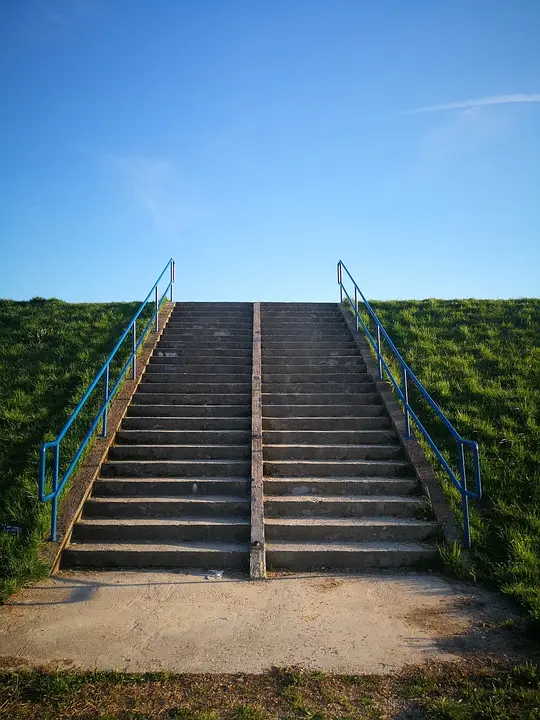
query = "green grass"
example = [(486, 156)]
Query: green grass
[(480, 361), (439, 691), (49, 352)]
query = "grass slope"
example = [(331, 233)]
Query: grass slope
[(49, 352), (480, 361)]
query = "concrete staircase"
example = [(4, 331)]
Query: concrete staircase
[(175, 491), (338, 491)]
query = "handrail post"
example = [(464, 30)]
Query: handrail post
[(406, 403), (134, 350), (54, 509), (379, 358), (106, 401), (356, 306), (157, 308), (464, 498), (340, 281), (172, 278)]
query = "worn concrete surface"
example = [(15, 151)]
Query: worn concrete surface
[(185, 622)]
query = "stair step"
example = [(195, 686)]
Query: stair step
[(301, 411), (326, 319), (183, 437), (164, 530), (151, 378), (174, 555), (295, 313), (207, 319), (341, 505), (308, 355), (158, 410), (308, 345), (204, 375), (331, 375), (213, 306), (328, 386), (311, 398), (213, 309), (359, 555), (189, 361), (170, 487), (155, 398), (194, 346), (207, 354), (335, 468), (195, 388), (240, 326), (181, 424), (312, 335), (334, 453), (180, 452), (334, 486), (176, 468), (293, 425), (328, 437), (352, 529), (299, 306), (306, 366), (150, 507), (220, 337)]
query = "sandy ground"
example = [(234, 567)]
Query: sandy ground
[(185, 622)]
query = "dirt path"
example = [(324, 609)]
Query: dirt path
[(183, 622)]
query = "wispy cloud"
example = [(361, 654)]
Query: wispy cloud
[(148, 180), (476, 102), (157, 186), (452, 136)]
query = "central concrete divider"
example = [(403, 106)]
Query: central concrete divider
[(257, 562)]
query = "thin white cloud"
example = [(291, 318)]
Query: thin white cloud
[(148, 179), (158, 187), (477, 102)]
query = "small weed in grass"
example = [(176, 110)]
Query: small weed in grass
[(187, 714), (247, 712), (451, 556)]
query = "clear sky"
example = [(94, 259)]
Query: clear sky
[(259, 142)]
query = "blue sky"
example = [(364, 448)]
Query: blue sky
[(259, 142)]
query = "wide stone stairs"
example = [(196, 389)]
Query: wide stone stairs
[(338, 490), (175, 490)]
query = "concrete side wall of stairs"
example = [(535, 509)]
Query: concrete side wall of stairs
[(175, 489)]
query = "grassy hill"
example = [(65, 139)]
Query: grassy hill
[(480, 360), (49, 353)]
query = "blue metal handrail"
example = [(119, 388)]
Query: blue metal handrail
[(59, 484), (403, 393)]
